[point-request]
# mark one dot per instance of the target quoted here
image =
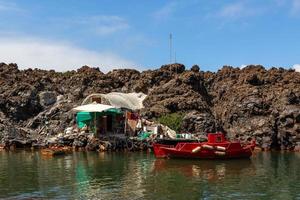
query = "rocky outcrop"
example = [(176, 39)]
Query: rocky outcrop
[(184, 92), (258, 102), (250, 102)]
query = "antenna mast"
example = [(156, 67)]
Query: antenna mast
[(175, 57), (170, 48)]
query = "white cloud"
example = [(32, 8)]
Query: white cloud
[(9, 6), (232, 10), (295, 7), (296, 67), (166, 11), (280, 2), (237, 10), (173, 7), (60, 56), (102, 24)]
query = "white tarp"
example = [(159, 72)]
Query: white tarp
[(133, 101), (93, 107)]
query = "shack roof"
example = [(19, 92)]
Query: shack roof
[(132, 101), (93, 107)]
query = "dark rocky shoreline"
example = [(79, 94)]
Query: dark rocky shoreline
[(249, 102)]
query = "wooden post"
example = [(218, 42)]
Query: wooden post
[(125, 126), (95, 123)]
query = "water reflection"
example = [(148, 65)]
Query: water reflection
[(206, 169), (141, 176)]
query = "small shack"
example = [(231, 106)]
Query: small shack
[(94, 117), (120, 113)]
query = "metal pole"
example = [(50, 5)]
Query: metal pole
[(175, 56), (170, 48)]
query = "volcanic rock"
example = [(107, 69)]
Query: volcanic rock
[(252, 102), (47, 98)]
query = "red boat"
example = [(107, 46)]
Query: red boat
[(215, 148)]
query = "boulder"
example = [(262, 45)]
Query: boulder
[(176, 68), (199, 122), (195, 68), (47, 98)]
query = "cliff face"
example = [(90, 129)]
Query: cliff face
[(258, 102), (244, 102)]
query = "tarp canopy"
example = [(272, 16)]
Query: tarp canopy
[(83, 118), (93, 107), (114, 111), (132, 101)]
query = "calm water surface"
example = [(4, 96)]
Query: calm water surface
[(141, 176)]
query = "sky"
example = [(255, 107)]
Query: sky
[(67, 34)]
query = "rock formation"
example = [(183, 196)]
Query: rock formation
[(249, 102)]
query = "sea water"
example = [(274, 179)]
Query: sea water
[(81, 175)]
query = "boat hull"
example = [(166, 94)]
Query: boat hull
[(159, 150), (228, 150)]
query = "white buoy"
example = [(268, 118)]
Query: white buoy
[(219, 148), (196, 149), (206, 146)]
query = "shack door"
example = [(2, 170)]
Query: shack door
[(109, 123)]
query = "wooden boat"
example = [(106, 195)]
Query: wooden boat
[(51, 152), (217, 147), (55, 151)]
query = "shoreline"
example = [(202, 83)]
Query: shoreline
[(112, 144), (69, 149), (65, 151)]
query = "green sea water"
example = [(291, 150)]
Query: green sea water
[(28, 175)]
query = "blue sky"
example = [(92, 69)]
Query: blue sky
[(64, 35)]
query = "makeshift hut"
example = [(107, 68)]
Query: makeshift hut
[(122, 118), (95, 117)]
